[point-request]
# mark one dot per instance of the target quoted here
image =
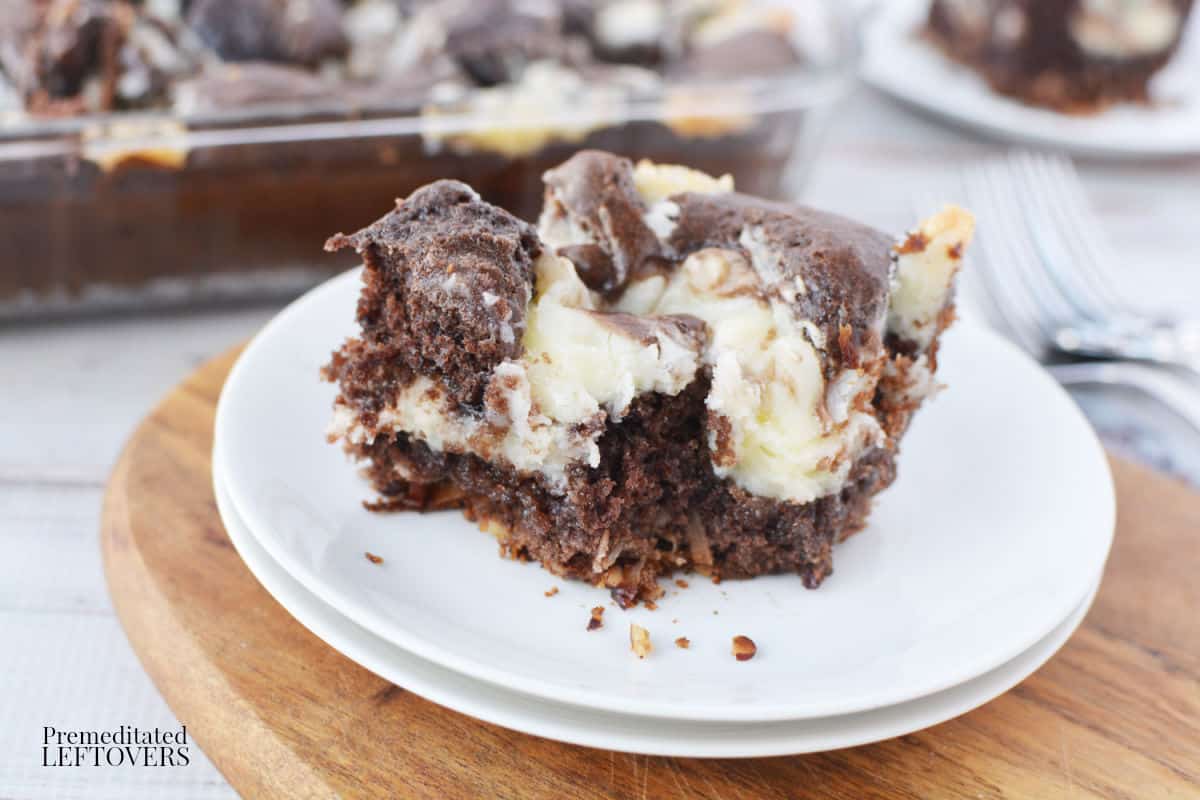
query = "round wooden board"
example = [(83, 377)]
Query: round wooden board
[(1115, 714)]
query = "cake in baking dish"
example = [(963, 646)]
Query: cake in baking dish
[(662, 375)]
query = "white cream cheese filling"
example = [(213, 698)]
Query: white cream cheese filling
[(737, 18), (926, 263), (630, 23), (789, 436), (1124, 29), (521, 117), (578, 363), (656, 183)]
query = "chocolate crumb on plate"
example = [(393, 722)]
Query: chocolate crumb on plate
[(374, 559), (683, 643), (744, 648), (597, 619), (553, 590)]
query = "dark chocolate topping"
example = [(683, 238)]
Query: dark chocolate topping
[(411, 86), (290, 31), (646, 329), (593, 265), (660, 48), (596, 191), (251, 83), (493, 40), (448, 277), (126, 56), (844, 265), (578, 17)]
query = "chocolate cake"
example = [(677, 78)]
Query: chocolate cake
[(1069, 55), (66, 57), (662, 375)]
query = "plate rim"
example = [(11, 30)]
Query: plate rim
[(394, 632), (891, 25), (343, 632)]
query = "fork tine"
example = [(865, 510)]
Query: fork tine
[(980, 278), (1046, 219), (1053, 303), (991, 257), (1093, 258), (1046, 303), (1085, 233)]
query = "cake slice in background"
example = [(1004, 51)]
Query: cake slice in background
[(665, 375), (1069, 55)]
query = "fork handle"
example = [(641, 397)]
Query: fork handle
[(1158, 385)]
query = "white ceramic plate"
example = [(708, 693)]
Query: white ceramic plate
[(997, 528), (900, 63), (626, 733)]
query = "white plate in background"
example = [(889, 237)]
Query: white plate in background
[(899, 62)]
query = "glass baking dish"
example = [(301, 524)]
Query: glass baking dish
[(146, 210)]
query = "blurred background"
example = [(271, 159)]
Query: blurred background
[(169, 171)]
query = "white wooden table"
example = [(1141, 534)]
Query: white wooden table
[(71, 392)]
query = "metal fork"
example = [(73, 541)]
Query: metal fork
[(1040, 260), (1069, 276)]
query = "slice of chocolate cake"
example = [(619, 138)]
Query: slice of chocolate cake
[(1069, 55), (664, 375)]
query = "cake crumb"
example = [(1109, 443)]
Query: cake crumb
[(744, 648), (374, 559), (639, 640), (683, 643), (650, 605), (681, 583), (553, 590), (597, 620)]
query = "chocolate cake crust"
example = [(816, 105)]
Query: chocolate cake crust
[(448, 278), (653, 508)]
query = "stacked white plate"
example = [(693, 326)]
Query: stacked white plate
[(977, 565)]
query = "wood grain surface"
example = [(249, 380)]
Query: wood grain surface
[(1115, 714)]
